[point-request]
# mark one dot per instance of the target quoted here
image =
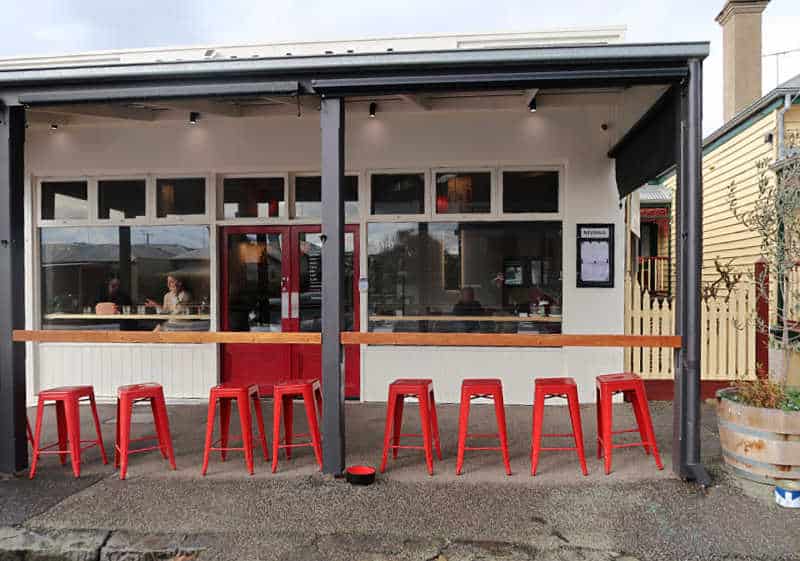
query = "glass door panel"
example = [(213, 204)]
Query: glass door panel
[(309, 271), (254, 282)]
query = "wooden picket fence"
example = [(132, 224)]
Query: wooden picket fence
[(728, 333)]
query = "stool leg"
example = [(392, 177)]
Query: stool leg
[(648, 424), (538, 419), (277, 402), (577, 429), (435, 426), (61, 423), (500, 413), (96, 419), (288, 424), (387, 431), (74, 432), (37, 435), (165, 436), (313, 424), (124, 421), (427, 436), (246, 420), (606, 399), (463, 423), (633, 397), (212, 410), (162, 447), (116, 439), (599, 432), (224, 425), (398, 423), (262, 437)]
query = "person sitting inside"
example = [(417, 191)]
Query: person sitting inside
[(112, 293), (467, 305), (176, 300)]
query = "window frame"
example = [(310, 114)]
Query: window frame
[(184, 218), (91, 201), (148, 194)]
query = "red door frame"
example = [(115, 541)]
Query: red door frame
[(294, 360)]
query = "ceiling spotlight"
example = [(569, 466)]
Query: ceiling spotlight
[(373, 107), (53, 126), (532, 105), (194, 116)]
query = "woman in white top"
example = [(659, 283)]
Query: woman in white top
[(176, 299)]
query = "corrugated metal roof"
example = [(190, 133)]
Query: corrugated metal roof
[(653, 194)]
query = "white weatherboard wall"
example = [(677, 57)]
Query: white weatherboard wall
[(568, 137)]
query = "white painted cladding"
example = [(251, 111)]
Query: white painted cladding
[(570, 138)]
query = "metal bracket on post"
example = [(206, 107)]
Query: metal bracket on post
[(333, 430), (13, 441)]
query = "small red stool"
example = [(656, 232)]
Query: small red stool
[(489, 388), (243, 395), (283, 395), (545, 388), (67, 401), (398, 391), (632, 387), (127, 396)]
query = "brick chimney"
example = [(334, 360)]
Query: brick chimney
[(741, 53)]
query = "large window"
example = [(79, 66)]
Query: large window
[(126, 277), (465, 277)]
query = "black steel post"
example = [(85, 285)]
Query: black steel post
[(678, 402), (692, 226), (333, 434), (13, 442)]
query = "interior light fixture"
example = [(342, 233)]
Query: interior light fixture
[(373, 107), (194, 116), (53, 126), (532, 105)]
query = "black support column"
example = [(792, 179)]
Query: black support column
[(13, 442), (686, 450), (333, 433)]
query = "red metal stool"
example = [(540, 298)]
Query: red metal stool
[(243, 395), (545, 388), (632, 387), (489, 388), (398, 391), (283, 395), (67, 401), (127, 396)]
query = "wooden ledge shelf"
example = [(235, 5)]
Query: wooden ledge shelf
[(351, 338), (168, 337)]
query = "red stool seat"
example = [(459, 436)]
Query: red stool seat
[(489, 388), (422, 389), (283, 395), (632, 387), (245, 397), (545, 388), (127, 396), (67, 401)]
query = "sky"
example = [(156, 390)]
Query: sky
[(39, 27)]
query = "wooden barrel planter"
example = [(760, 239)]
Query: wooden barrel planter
[(759, 444)]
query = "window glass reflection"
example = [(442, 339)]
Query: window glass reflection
[(64, 200), (180, 197), (127, 277), (308, 197), (465, 277), (254, 197), (398, 193), (120, 199)]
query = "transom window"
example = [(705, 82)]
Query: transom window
[(65, 200), (463, 193), (184, 196), (121, 199), (397, 193), (308, 196), (254, 197)]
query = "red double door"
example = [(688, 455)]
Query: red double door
[(272, 282)]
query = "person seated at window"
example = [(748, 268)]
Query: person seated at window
[(467, 305), (112, 292), (177, 298)]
